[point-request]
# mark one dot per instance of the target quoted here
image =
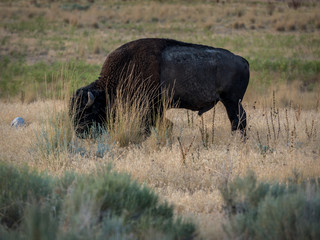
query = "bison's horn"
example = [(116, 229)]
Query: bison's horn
[(90, 99)]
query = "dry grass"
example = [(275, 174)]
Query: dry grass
[(280, 141), (109, 22), (287, 95), (127, 123), (283, 119), (130, 112)]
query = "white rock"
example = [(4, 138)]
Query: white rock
[(18, 122)]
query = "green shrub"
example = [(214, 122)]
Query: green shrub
[(104, 205), (272, 211), (19, 187)]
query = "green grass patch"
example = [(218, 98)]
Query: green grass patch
[(35, 25), (42, 80), (268, 72), (96, 206), (291, 57), (285, 65)]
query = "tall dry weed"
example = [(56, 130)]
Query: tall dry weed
[(128, 112), (162, 131), (138, 110), (126, 119)]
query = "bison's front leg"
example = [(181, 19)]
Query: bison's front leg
[(237, 115)]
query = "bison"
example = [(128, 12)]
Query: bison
[(196, 76)]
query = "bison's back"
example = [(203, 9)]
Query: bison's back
[(200, 74), (133, 63)]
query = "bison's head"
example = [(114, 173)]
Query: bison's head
[(87, 110)]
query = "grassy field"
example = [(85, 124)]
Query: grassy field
[(50, 48)]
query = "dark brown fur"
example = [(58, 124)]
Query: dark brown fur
[(205, 75), (139, 58)]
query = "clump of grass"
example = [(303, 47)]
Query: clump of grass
[(184, 149), (204, 132), (295, 4), (126, 119), (238, 25), (282, 127), (161, 132), (96, 47), (280, 27), (271, 8), (190, 118), (103, 142), (262, 210), (310, 130), (292, 26), (138, 110), (55, 136), (73, 21), (96, 206)]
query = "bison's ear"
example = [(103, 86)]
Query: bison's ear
[(90, 99)]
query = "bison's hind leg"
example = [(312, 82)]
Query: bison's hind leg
[(237, 115)]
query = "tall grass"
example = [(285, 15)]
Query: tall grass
[(127, 118), (138, 110), (162, 130), (56, 143), (133, 114), (54, 138)]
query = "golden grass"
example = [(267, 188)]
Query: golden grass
[(199, 15), (191, 183), (127, 119), (287, 95), (284, 127)]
